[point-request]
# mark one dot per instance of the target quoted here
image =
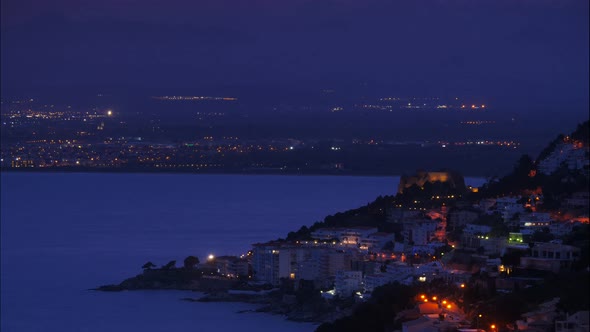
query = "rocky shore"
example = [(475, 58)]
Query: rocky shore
[(295, 306), (291, 306), (178, 279)]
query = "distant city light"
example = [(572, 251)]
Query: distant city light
[(211, 257), (184, 98), (109, 112)]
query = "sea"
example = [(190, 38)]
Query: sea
[(63, 234)]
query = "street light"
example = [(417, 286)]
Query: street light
[(477, 321)]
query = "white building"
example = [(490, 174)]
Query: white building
[(337, 261), (353, 235), (510, 212), (429, 269), (231, 266), (309, 263), (347, 236), (472, 229), (348, 282), (578, 322), (275, 260), (572, 155), (531, 222), (265, 262), (376, 240), (508, 207), (419, 233), (540, 319), (328, 233), (461, 217), (399, 272), (550, 257), (373, 281)]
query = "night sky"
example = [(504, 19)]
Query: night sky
[(532, 52)]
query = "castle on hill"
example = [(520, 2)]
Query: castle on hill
[(454, 179)]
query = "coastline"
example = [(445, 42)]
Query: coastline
[(273, 301), (110, 228), (266, 172)]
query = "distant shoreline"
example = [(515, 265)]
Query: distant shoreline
[(205, 172)]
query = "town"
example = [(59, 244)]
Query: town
[(511, 255), (217, 134), (295, 166)]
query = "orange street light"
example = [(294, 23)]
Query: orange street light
[(425, 300), (434, 298), (462, 285), (444, 302), (422, 296), (493, 326)]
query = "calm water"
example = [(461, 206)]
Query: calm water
[(64, 233)]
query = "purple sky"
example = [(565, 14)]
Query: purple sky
[(509, 50)]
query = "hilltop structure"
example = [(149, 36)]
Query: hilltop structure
[(454, 179)]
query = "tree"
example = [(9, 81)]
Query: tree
[(148, 266), (550, 147), (582, 132), (190, 262), (168, 266)]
